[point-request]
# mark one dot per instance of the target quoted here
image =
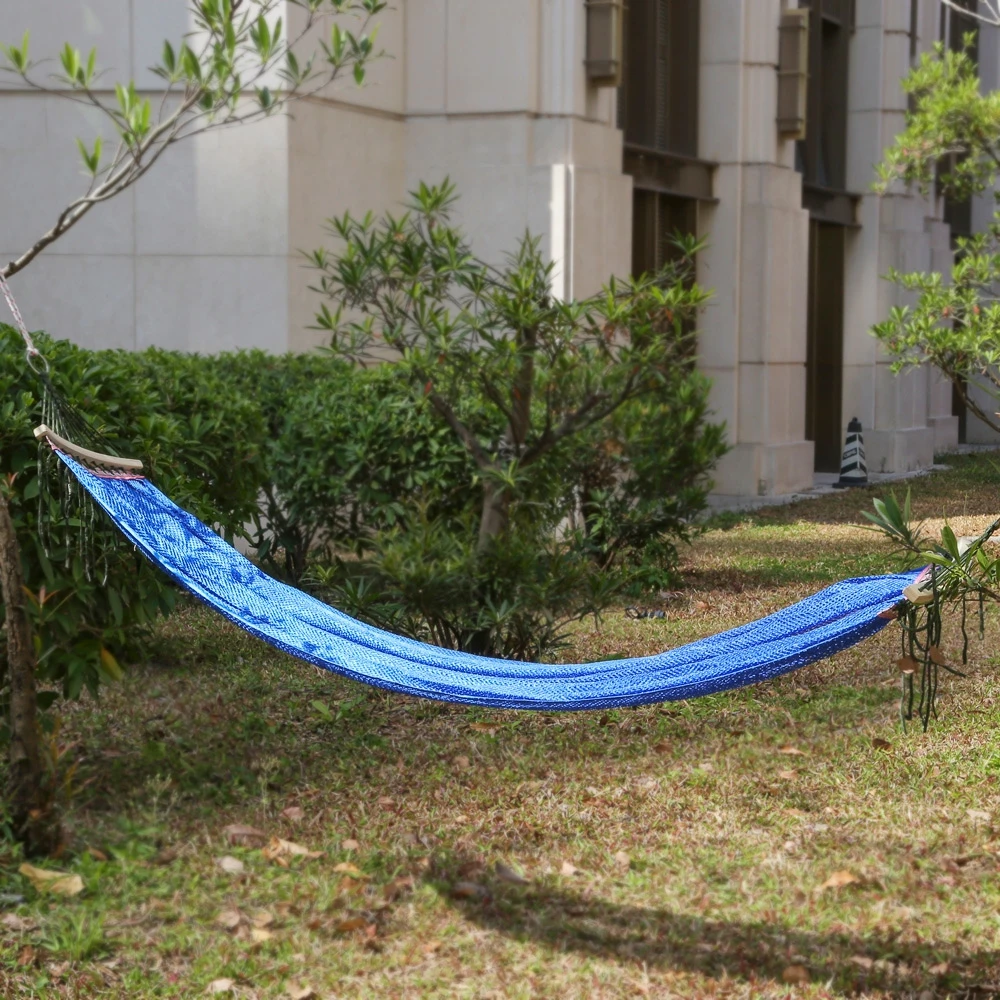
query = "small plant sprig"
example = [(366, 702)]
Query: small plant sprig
[(958, 573)]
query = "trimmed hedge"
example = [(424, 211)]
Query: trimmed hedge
[(289, 452), (307, 457)]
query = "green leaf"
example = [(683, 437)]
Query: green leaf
[(109, 665), (950, 542), (190, 65), (70, 60)]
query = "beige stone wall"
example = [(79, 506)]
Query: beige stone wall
[(204, 254), (752, 340), (513, 122), (904, 417)]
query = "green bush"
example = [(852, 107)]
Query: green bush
[(354, 477), (201, 443), (583, 422), (348, 456), (294, 453)]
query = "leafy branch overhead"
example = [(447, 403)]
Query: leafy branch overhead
[(242, 63), (951, 139)]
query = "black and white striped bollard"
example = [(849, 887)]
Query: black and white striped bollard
[(853, 468)]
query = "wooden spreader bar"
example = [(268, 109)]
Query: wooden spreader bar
[(85, 454)]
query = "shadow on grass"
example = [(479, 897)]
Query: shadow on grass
[(576, 921)]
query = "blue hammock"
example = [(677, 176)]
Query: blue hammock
[(199, 560)]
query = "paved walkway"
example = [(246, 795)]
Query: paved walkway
[(823, 483)]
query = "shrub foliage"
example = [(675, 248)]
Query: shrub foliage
[(521, 464)]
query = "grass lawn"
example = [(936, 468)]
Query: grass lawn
[(755, 844)]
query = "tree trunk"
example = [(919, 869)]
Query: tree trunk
[(496, 498), (35, 826), (493, 520)]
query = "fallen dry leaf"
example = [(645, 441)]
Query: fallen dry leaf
[(462, 763), (862, 961), (350, 845), (96, 854), (300, 992), (469, 890), (840, 879), (431, 947), (385, 802), (43, 880), (221, 986), (398, 887), (349, 924), (791, 751), (507, 874), (229, 919), (241, 835), (293, 814), (795, 975), (260, 934), (230, 865), (262, 918), (279, 848), (15, 923), (27, 955), (788, 775), (352, 871), (568, 869), (978, 815), (623, 860)]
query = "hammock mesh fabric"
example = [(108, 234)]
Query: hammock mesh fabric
[(203, 563)]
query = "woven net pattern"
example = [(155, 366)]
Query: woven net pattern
[(200, 561)]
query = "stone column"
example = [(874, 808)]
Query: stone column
[(905, 417), (753, 334), (497, 99)]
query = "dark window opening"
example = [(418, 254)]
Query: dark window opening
[(955, 27), (955, 30), (822, 155), (656, 220), (658, 114), (958, 410), (658, 98), (825, 343)]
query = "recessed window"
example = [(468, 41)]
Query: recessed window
[(822, 156), (658, 99)]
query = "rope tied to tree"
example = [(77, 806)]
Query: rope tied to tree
[(32, 354)]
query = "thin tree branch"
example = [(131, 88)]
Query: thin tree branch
[(992, 19), (466, 436)]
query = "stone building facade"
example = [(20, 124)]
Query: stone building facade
[(204, 253)]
